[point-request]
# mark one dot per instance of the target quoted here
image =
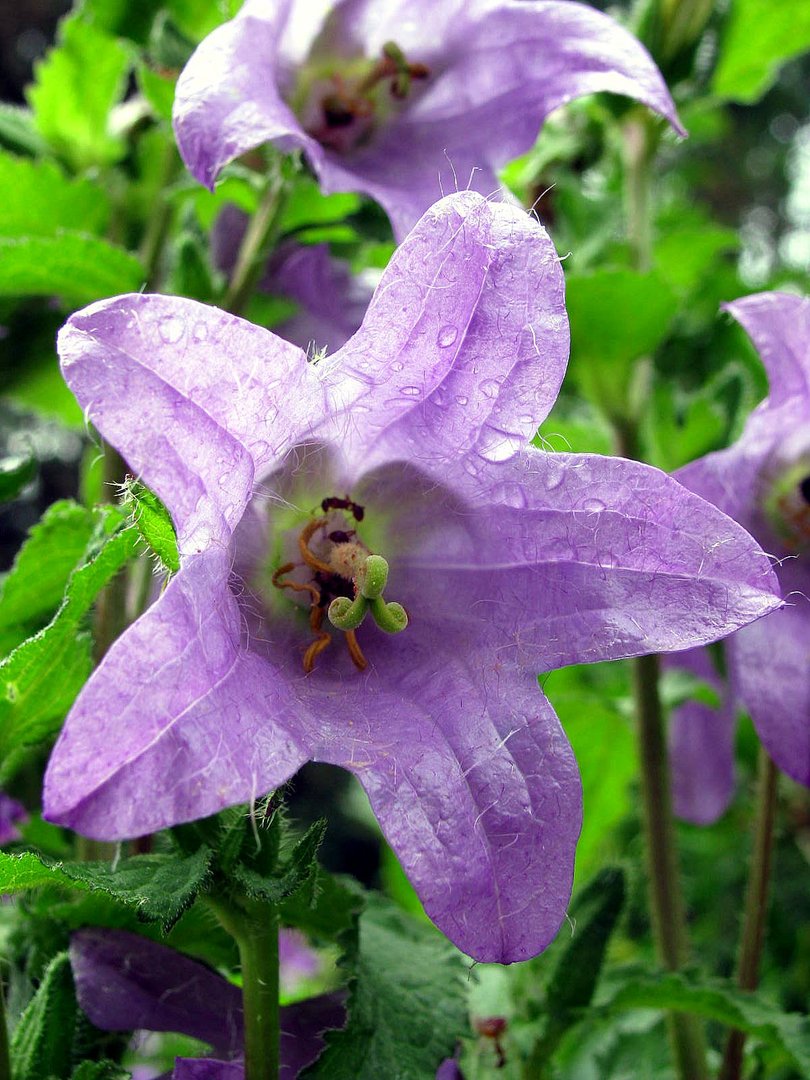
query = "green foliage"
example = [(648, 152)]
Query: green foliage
[(760, 35), (18, 131), (76, 267), (330, 912), (406, 1004), (41, 1046), (40, 679), (617, 317), (16, 471), (153, 522), (75, 88), (32, 590), (100, 1070), (713, 999), (296, 874), (37, 199), (159, 888)]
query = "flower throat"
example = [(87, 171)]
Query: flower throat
[(347, 583)]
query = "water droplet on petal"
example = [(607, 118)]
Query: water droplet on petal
[(411, 391), (447, 336), (511, 494), (593, 506), (490, 388), (200, 331), (470, 467), (499, 445), (461, 399), (171, 330), (397, 365)]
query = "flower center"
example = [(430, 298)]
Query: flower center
[(342, 109), (343, 579), (787, 505)]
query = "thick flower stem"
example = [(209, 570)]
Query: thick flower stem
[(259, 235), (257, 937), (756, 905), (666, 898)]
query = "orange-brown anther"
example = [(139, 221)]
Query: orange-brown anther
[(322, 641), (296, 586)]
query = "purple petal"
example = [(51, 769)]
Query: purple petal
[(228, 98), (179, 709), (779, 326), (125, 982), (456, 356), (207, 1069), (497, 70), (701, 742), (769, 667), (208, 387), (566, 558), (297, 961)]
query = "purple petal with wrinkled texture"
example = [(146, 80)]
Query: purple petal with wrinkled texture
[(768, 662), (11, 813), (701, 743), (506, 568), (125, 982), (497, 69)]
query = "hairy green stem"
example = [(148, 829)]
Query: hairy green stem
[(257, 938), (752, 936), (666, 898), (259, 235)]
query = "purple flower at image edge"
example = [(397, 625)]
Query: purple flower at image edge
[(410, 444), (125, 982), (763, 482), (11, 814), (397, 99)]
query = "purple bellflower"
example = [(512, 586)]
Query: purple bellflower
[(375, 566), (126, 982), (11, 814), (393, 97), (762, 481)]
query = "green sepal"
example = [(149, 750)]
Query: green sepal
[(153, 522), (41, 1046), (295, 874)]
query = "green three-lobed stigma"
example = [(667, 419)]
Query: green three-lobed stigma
[(371, 579)]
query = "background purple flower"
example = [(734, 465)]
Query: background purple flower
[(11, 814), (469, 90), (508, 560), (763, 481), (126, 982)]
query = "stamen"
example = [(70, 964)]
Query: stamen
[(303, 544), (322, 642), (296, 586), (355, 652)]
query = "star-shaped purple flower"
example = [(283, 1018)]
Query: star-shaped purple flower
[(391, 98), (763, 481), (296, 488)]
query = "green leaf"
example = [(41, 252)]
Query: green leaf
[(330, 912), (759, 36), (297, 874), (407, 1001), (40, 679), (158, 89), (76, 267), (306, 205), (75, 88), (159, 888), (100, 1070), (37, 199), (153, 522), (573, 981), (42, 1041), (15, 472), (722, 1002), (121, 18), (617, 317), (34, 586)]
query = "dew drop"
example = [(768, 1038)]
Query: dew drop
[(200, 331), (490, 388), (447, 336), (511, 494), (593, 506), (171, 330), (411, 391), (461, 399), (499, 445), (397, 365)]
